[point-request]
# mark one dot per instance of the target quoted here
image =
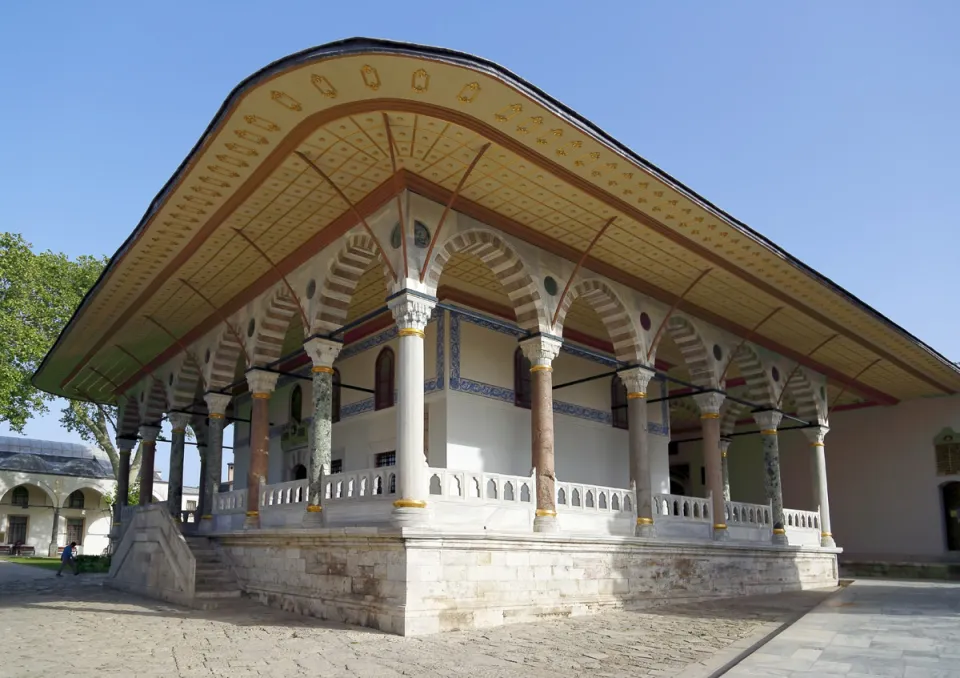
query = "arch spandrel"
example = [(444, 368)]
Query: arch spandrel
[(697, 353), (627, 341), (809, 394), (756, 371), (508, 267)]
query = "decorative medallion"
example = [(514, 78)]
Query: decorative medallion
[(223, 171), (203, 190), (230, 160), (241, 149), (286, 100), (395, 237), (468, 93), (717, 352), (370, 77), (252, 137), (262, 123), (421, 234), (775, 373), (213, 181), (420, 81), (311, 289), (324, 86), (206, 356), (251, 327), (645, 322), (510, 111)]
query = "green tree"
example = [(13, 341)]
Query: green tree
[(38, 294)]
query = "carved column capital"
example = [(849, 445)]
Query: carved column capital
[(540, 350), (126, 445), (636, 379), (411, 312), (261, 382), (323, 352), (179, 421), (816, 434), (768, 420), (149, 433), (709, 404), (217, 404)]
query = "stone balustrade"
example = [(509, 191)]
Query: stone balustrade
[(229, 510), (282, 494), (676, 515), (474, 485), (373, 483), (802, 527), (749, 522), (481, 500), (593, 509)]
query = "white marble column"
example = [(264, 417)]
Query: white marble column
[(768, 422), (124, 447), (323, 352), (412, 313), (217, 404), (540, 350), (709, 404), (179, 422), (636, 379), (261, 384), (148, 442), (724, 447), (821, 498)]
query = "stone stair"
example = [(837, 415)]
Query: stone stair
[(215, 583)]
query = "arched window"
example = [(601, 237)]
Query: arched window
[(299, 472), (75, 501), (522, 388), (296, 405), (21, 497), (335, 397), (383, 390), (618, 403)]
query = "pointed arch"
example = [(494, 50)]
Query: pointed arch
[(694, 350), (153, 402), (506, 265), (221, 360), (760, 385), (128, 418), (731, 412), (809, 397), (183, 387), (627, 344), (272, 327), (346, 269)]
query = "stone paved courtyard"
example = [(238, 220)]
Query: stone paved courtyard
[(48, 623)]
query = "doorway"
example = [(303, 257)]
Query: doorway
[(951, 513)]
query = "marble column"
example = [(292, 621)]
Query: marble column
[(124, 447), (412, 313), (261, 384), (148, 448), (323, 352), (636, 379), (540, 350), (217, 404), (55, 533), (201, 505), (724, 446), (709, 404), (768, 422), (179, 422), (821, 499)]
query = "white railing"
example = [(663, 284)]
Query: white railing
[(795, 519), (282, 494), (580, 497), (371, 483), (189, 516), (230, 502), (749, 515), (480, 486), (677, 506)]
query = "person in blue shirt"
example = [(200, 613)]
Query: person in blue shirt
[(68, 557)]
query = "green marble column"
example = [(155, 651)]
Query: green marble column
[(768, 422), (179, 422), (323, 352)]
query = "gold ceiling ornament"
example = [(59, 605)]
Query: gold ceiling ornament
[(511, 111), (286, 101), (262, 123), (198, 199), (203, 190), (252, 137), (241, 149), (370, 77), (193, 209), (541, 141), (468, 93), (557, 132), (420, 81), (230, 160), (184, 217), (223, 171), (561, 152), (324, 86), (213, 181)]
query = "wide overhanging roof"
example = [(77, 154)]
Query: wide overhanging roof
[(549, 177)]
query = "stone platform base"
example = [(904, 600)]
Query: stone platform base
[(417, 582)]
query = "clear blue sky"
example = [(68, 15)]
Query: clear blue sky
[(829, 127)]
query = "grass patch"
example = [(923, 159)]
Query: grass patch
[(46, 563)]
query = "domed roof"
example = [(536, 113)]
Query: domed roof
[(46, 456)]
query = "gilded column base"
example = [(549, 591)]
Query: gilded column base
[(720, 532), (645, 528), (779, 537), (546, 521), (826, 541)]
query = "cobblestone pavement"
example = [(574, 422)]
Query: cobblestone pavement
[(909, 629), (48, 624)]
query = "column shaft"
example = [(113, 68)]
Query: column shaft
[(710, 403), (123, 482), (540, 351), (820, 495), (148, 448), (322, 352), (201, 500), (177, 445), (636, 380), (724, 447), (217, 404), (768, 422), (259, 455)]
